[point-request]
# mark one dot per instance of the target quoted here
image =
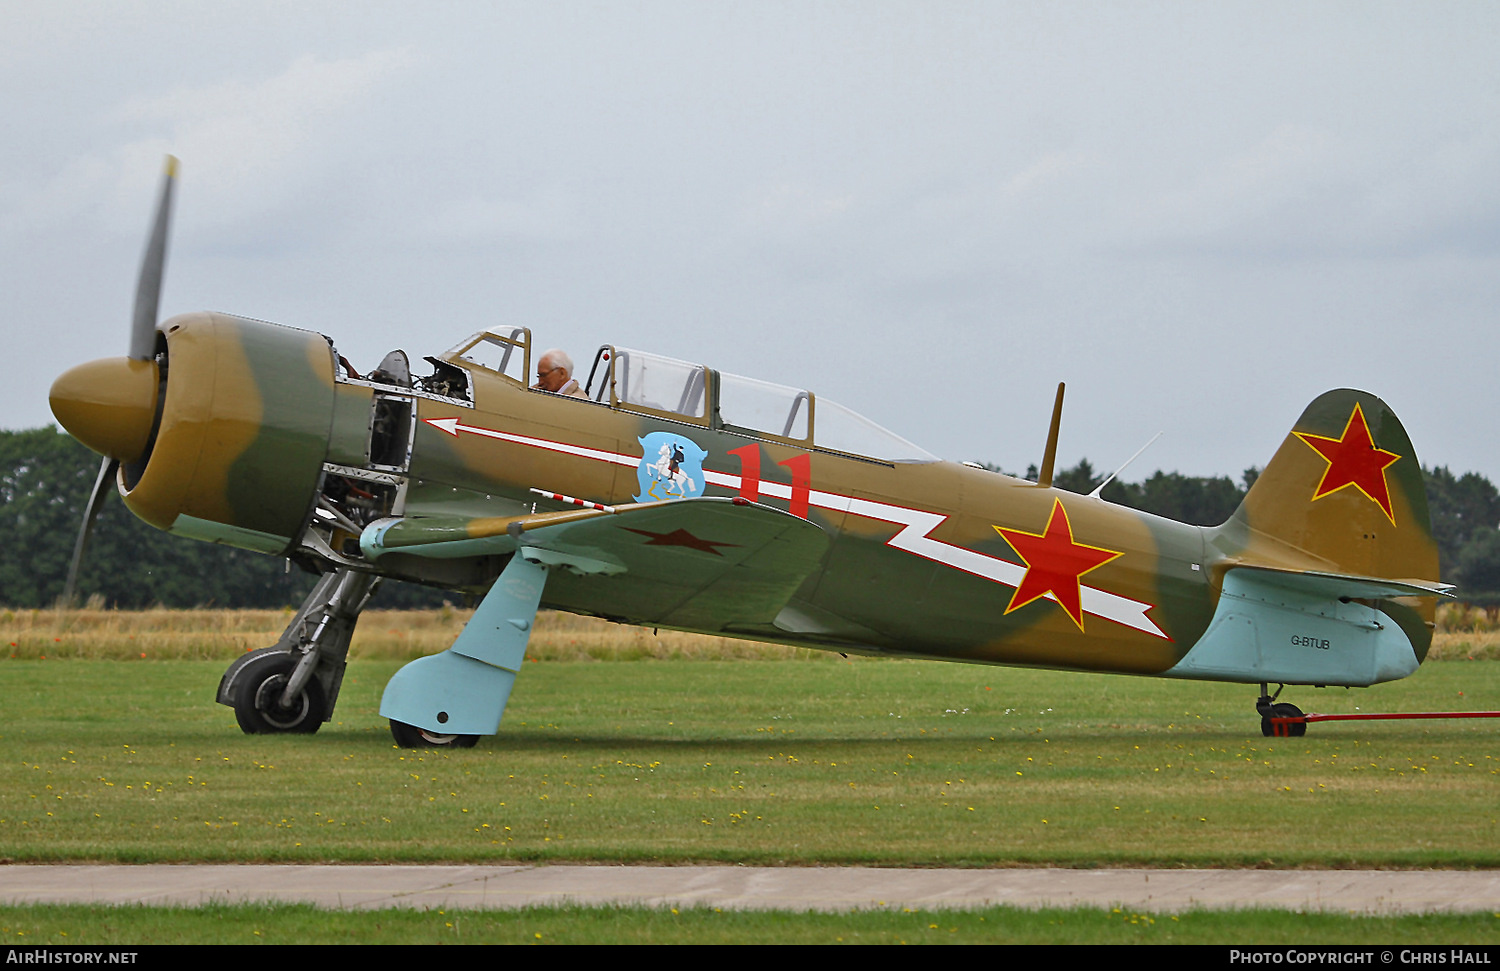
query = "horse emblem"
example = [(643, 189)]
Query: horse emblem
[(671, 467)]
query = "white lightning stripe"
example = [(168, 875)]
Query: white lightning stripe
[(914, 536)]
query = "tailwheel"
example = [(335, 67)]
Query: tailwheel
[(409, 736), (1272, 729), (258, 698), (1268, 708)]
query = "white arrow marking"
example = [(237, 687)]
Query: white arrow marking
[(452, 427)]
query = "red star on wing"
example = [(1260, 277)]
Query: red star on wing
[(1354, 460), (680, 537), (1054, 564)]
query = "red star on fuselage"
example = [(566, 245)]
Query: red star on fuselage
[(1054, 564), (1354, 460)]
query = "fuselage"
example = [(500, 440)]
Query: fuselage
[(918, 564)]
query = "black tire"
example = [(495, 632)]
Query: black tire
[(257, 698), (409, 736), (1284, 730)]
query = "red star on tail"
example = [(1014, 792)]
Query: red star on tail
[(1054, 564), (1354, 460)]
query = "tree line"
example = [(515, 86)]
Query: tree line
[(1465, 513), (45, 480), (46, 476)]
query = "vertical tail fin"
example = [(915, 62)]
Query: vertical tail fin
[(1328, 571), (1344, 494), (1345, 489)]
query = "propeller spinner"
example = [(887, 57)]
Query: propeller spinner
[(110, 404)]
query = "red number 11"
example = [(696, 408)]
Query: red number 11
[(799, 465)]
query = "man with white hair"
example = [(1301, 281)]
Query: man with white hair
[(554, 373)]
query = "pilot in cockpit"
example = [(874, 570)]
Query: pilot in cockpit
[(554, 373)]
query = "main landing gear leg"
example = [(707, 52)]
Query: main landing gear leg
[(293, 685), (1268, 709), (452, 698)]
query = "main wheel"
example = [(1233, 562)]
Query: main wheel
[(409, 736), (1285, 729), (257, 698)]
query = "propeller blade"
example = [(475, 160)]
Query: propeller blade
[(142, 348), (153, 264), (102, 484)]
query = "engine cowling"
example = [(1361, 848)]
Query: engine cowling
[(222, 436)]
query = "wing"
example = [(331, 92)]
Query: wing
[(704, 563)]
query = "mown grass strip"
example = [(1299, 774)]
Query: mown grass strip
[(301, 924)]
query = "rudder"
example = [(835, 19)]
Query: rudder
[(1343, 494)]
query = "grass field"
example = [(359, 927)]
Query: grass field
[(624, 746), (811, 760), (297, 924)]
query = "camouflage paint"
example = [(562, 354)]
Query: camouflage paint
[(1289, 520), (243, 432), (925, 558)]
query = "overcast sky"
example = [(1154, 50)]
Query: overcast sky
[(1199, 215)]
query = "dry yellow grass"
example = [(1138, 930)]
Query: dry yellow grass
[(222, 634), (1463, 633), (1466, 633), (1465, 647)]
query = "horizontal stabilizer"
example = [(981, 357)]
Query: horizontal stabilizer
[(1343, 586), (1291, 627)]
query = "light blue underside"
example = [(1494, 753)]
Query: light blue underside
[(1279, 628), (470, 682)]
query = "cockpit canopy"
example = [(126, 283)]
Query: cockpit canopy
[(645, 383)]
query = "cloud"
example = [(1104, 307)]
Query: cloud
[(791, 208), (247, 144), (1278, 185), (1310, 192), (551, 212), (247, 137)]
